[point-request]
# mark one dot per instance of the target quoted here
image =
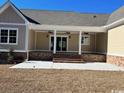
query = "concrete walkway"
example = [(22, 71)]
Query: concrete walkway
[(80, 66)]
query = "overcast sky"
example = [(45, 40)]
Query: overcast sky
[(87, 6)]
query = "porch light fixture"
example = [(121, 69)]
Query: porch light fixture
[(50, 32), (47, 35), (68, 33), (86, 33)]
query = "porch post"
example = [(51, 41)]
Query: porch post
[(80, 37), (54, 48)]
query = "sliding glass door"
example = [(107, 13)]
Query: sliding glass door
[(61, 43)]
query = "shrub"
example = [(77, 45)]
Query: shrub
[(10, 56)]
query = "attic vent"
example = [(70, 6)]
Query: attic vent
[(94, 16)]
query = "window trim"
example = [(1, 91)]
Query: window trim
[(56, 37), (9, 36), (85, 44)]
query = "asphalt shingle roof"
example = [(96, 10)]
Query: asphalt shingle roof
[(116, 15), (65, 18)]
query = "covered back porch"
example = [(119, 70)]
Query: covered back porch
[(50, 44)]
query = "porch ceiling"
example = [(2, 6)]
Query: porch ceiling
[(66, 28)]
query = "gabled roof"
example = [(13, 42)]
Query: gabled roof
[(9, 3), (66, 18), (44, 17), (61, 17), (116, 15), (26, 17)]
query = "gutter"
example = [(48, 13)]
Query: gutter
[(114, 24)]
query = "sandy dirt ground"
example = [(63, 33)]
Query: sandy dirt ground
[(59, 81)]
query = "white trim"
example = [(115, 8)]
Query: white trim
[(9, 37), (90, 52), (80, 37), (7, 50), (40, 50), (58, 36), (86, 43), (114, 23), (17, 24), (54, 48), (114, 54)]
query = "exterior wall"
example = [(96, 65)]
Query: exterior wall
[(66, 57), (42, 42), (94, 57), (10, 16), (101, 42), (73, 42), (116, 46), (18, 57), (91, 47), (37, 55), (117, 60), (116, 40), (31, 40), (21, 38)]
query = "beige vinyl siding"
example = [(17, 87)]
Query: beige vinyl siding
[(116, 40), (42, 42), (31, 40), (21, 38), (73, 42), (10, 16), (91, 46), (101, 42)]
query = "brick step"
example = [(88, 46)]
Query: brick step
[(66, 56)]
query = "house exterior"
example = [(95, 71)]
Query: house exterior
[(43, 35)]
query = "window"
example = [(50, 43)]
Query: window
[(8, 36), (85, 40)]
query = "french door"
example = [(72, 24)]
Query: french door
[(61, 43)]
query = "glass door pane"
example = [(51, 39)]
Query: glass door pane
[(52, 43), (64, 43), (58, 44)]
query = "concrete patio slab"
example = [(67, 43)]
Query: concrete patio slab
[(80, 66)]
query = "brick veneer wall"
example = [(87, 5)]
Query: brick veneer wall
[(37, 55), (94, 57), (117, 60), (48, 56), (18, 57)]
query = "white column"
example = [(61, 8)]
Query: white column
[(54, 48), (80, 36)]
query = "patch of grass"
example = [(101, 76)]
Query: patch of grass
[(59, 81)]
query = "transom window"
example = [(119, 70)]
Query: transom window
[(8, 36), (85, 40)]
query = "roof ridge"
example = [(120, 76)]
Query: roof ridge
[(65, 11)]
